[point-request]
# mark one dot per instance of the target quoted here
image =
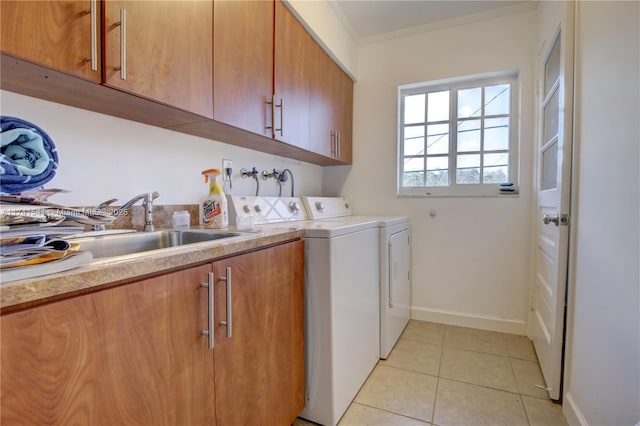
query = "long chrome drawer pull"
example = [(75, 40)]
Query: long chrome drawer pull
[(92, 11), (211, 291), (123, 44), (229, 322)]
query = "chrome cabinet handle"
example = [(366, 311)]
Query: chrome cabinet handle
[(92, 11), (333, 143), (338, 143), (123, 44), (546, 219), (281, 106), (272, 103), (273, 115), (211, 320), (228, 322)]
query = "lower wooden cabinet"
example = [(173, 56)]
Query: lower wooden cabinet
[(260, 369), (135, 354)]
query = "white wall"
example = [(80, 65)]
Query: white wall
[(104, 157), (471, 263), (602, 376), (321, 20)]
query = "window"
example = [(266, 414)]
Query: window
[(458, 137)]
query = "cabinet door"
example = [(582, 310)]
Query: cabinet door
[(243, 64), (343, 102), (132, 354), (331, 107), (54, 33), (260, 368), (291, 79), (162, 51), (322, 125)]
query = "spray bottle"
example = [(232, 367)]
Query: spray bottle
[(213, 210)]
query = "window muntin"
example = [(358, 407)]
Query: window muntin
[(458, 137)]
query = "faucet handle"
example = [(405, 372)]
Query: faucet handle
[(150, 197)]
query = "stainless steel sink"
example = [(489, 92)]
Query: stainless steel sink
[(138, 242)]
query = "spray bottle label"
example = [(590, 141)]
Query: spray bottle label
[(211, 210)]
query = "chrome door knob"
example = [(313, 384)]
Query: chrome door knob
[(546, 219)]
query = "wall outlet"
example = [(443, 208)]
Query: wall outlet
[(226, 164)]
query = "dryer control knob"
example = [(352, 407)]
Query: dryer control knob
[(246, 209), (319, 206), (258, 208), (293, 207)]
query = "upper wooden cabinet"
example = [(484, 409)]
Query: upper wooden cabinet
[(64, 35), (243, 64), (275, 80), (344, 111), (249, 66), (331, 107), (161, 50), (292, 80)]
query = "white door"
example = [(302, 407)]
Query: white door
[(554, 71)]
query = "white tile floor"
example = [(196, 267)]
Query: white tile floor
[(445, 375)]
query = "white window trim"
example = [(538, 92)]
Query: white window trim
[(462, 190)]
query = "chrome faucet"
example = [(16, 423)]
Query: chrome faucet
[(147, 201)]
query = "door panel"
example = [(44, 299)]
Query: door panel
[(260, 368), (399, 262), (168, 51), (243, 64), (554, 68), (292, 86), (132, 354), (53, 33)]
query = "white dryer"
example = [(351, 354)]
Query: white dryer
[(394, 266), (395, 280)]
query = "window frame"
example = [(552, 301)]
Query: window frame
[(454, 85)]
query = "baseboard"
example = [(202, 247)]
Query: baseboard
[(572, 412), (482, 322)]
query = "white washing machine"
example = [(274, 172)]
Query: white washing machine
[(342, 297), (395, 268)]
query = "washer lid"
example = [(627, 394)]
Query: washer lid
[(336, 228), (384, 221)]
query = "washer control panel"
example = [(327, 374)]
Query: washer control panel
[(266, 210), (326, 207)]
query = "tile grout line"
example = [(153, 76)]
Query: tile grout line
[(391, 412), (435, 397)]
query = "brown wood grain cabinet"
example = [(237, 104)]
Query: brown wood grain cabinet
[(127, 355), (271, 77), (331, 107), (243, 64), (292, 84), (135, 354), (260, 368), (161, 50), (217, 69), (64, 35)]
